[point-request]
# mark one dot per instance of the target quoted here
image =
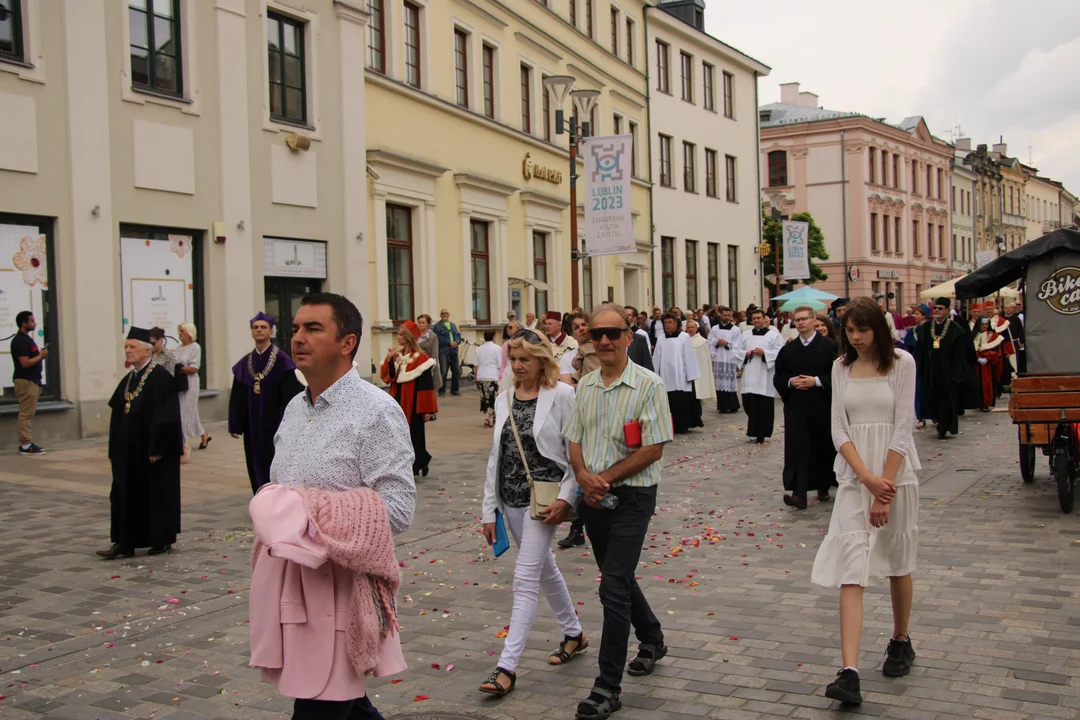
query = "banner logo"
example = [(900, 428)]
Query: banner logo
[(1061, 291)]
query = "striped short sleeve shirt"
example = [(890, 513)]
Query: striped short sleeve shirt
[(601, 412)]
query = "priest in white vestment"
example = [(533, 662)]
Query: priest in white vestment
[(704, 388), (760, 347), (725, 348), (676, 364)]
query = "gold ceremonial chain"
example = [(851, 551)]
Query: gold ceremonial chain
[(944, 330), (128, 395), (259, 377)]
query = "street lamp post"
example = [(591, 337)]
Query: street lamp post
[(584, 102), (776, 198)]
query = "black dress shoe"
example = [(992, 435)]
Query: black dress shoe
[(116, 551), (159, 550), (574, 538), (795, 502)]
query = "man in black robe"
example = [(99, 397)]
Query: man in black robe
[(804, 380), (264, 381), (145, 445), (945, 349)]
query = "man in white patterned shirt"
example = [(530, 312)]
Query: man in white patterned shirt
[(341, 433)]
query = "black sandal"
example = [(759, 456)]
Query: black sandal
[(600, 704), (647, 657), (562, 655), (493, 679)]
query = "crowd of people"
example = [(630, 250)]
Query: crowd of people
[(581, 407)]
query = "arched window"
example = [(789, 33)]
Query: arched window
[(778, 168)]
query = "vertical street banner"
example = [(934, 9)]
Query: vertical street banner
[(609, 226), (796, 250)]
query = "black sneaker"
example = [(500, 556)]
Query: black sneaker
[(899, 656), (845, 688), (32, 450)]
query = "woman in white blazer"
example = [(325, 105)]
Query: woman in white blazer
[(541, 406)]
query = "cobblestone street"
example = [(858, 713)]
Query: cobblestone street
[(996, 620)]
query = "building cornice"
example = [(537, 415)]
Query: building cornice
[(531, 197), (349, 12), (849, 122), (393, 159), (551, 55), (704, 39), (482, 183)]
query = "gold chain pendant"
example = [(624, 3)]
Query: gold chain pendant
[(937, 343), (257, 388)]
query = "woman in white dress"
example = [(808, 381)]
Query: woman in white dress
[(188, 359), (874, 526)]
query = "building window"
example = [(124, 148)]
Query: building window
[(691, 274), (526, 99), (489, 81), (616, 124), (729, 95), (689, 167), (915, 250), (155, 44), (587, 284), (686, 69), (915, 177), (481, 272), (615, 27), (873, 233), (929, 191), (941, 242), (633, 148), (589, 17), (11, 32), (952, 205), (884, 168), (872, 166), (895, 170), (667, 272), (399, 261), (941, 184), (778, 168), (573, 12), (665, 161), (377, 36), (663, 66), (708, 75), (412, 45), (461, 67), (929, 234), (733, 275), (545, 108), (540, 271), (896, 236), (729, 165), (713, 252), (629, 41), (885, 233), (954, 246), (288, 96), (711, 187)]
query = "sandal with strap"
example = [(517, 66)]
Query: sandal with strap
[(647, 657), (492, 686), (600, 705), (562, 656)]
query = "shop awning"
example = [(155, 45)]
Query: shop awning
[(530, 282)]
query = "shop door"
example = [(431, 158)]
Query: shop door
[(283, 297)]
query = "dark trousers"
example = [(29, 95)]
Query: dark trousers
[(448, 361), (358, 709), (617, 537), (760, 414), (946, 405)]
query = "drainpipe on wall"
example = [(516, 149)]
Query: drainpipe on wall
[(760, 239), (648, 146), (843, 210)]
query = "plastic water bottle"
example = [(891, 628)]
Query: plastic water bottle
[(610, 502)]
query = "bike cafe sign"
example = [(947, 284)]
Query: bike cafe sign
[(1061, 291)]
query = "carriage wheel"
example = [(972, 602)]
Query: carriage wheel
[(1027, 462), (1060, 465)]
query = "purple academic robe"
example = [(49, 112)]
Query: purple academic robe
[(257, 416)]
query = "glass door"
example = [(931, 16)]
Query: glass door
[(283, 296)]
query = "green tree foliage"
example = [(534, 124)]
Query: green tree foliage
[(770, 233)]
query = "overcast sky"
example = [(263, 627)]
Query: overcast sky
[(995, 67)]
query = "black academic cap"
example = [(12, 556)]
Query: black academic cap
[(839, 302), (140, 334), (943, 301)]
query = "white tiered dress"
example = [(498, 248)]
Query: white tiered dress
[(853, 550)]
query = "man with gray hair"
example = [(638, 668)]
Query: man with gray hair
[(145, 446)]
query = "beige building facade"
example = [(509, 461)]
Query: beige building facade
[(469, 194), (879, 192), (168, 161), (1048, 204), (704, 140)]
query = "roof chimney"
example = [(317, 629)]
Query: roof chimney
[(1001, 149), (808, 99), (789, 93), (963, 144)]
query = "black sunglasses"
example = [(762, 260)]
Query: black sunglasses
[(527, 335), (612, 334)]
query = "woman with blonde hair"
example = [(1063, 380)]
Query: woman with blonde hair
[(406, 370), (188, 359), (529, 450)]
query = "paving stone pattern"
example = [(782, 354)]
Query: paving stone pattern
[(996, 619)]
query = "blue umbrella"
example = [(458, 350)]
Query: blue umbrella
[(806, 293)]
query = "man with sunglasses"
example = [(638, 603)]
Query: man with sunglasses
[(617, 432), (944, 350)]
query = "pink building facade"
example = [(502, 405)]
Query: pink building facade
[(880, 193)]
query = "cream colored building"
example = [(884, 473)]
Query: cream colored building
[(168, 161), (961, 211), (1048, 204), (469, 197), (705, 162)]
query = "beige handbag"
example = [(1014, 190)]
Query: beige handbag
[(542, 494)]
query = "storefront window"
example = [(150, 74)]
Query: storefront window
[(27, 282), (481, 262), (540, 271), (399, 265)]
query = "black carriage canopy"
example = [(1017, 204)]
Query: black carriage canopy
[(1050, 269)]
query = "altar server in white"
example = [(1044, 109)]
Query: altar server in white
[(675, 363), (760, 347), (725, 350)]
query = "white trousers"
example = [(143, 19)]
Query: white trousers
[(535, 569)]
